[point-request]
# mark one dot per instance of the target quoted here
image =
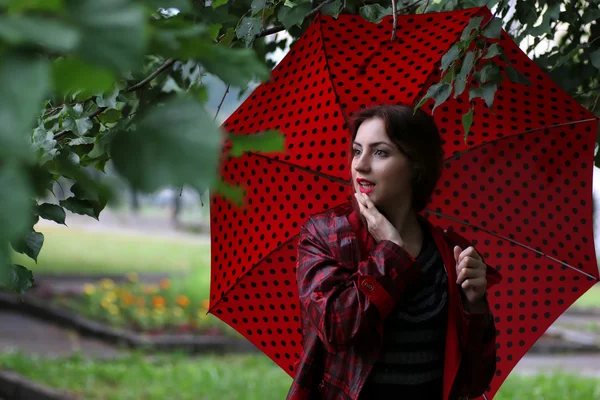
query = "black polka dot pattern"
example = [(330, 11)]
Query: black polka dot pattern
[(520, 187)]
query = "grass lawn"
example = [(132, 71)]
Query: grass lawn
[(246, 377), (71, 250), (590, 299)]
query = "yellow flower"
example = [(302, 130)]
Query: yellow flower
[(202, 315), (110, 297), (159, 311), (132, 277), (107, 284), (143, 311), (183, 301), (158, 302), (205, 304), (89, 289), (178, 312), (165, 283), (114, 310)]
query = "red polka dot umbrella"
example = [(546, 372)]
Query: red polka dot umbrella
[(520, 188)]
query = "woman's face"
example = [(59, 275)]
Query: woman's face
[(377, 159)]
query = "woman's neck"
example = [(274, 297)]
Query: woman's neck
[(410, 229)]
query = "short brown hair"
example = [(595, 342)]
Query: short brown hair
[(417, 136)]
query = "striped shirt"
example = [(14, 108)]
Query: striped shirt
[(412, 358)]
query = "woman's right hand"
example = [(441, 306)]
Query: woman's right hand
[(379, 226)]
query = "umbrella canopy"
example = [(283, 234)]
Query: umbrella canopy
[(520, 188)]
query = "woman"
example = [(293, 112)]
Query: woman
[(392, 307)]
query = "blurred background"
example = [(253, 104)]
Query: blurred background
[(144, 267)]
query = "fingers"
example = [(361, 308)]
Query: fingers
[(468, 252), (468, 273), (368, 201), (474, 283)]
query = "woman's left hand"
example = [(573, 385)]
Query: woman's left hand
[(471, 274)]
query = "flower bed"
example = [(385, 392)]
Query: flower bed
[(141, 307)]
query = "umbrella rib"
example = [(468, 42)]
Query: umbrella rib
[(320, 174), (328, 69), (459, 154), (509, 240)]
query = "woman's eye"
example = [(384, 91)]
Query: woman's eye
[(381, 152), (355, 151)]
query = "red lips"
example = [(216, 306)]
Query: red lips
[(364, 189)]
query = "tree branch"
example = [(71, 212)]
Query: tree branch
[(276, 29), (395, 16), (165, 66), (221, 103)]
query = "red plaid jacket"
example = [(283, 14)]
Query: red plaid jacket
[(345, 294)]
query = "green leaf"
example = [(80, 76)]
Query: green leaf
[(267, 142), (373, 12), (24, 81), (493, 51), (248, 29), (37, 5), (257, 5), (595, 58), (218, 3), (78, 126), (72, 74), (439, 92), (526, 12), (52, 212), (235, 66), (30, 244), (489, 72), (228, 38), (590, 15), (450, 56), (230, 192), (486, 92), (461, 79), (81, 207), (44, 144), (16, 278), (333, 9), (108, 100), (15, 211), (473, 24), (552, 13), (44, 32), (112, 32), (293, 16), (467, 120), (181, 5), (175, 144), (515, 76), (493, 29)]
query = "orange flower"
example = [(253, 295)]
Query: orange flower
[(183, 301), (165, 283), (127, 299), (140, 302), (205, 304), (158, 301)]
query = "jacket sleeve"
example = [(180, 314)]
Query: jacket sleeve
[(342, 303), (478, 344)]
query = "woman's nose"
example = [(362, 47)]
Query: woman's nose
[(361, 163)]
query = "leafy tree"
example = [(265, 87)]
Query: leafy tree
[(85, 82)]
